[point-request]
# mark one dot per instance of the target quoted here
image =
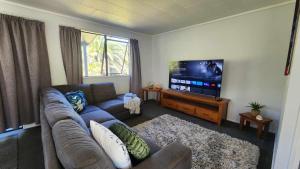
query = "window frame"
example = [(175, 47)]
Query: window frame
[(107, 38)]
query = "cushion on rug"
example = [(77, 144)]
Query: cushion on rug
[(112, 145), (77, 100), (210, 149), (135, 145)]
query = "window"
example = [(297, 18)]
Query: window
[(104, 55)]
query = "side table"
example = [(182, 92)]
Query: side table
[(262, 125), (145, 92)]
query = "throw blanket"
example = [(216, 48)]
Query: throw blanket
[(132, 102)]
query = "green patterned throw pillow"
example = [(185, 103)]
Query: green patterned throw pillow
[(135, 145), (77, 100)]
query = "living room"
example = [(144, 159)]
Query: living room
[(250, 121)]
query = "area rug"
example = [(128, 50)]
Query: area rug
[(210, 149)]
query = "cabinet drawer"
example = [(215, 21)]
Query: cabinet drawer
[(169, 103), (190, 109), (207, 114)]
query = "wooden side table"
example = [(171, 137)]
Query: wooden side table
[(146, 90), (262, 125)]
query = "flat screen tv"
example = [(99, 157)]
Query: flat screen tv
[(197, 76)]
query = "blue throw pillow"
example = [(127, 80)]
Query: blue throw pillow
[(77, 100)]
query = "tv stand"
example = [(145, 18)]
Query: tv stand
[(218, 99), (209, 108)]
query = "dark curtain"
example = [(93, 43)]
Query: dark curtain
[(24, 70), (70, 42), (136, 77)]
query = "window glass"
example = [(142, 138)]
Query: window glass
[(104, 55), (117, 54)]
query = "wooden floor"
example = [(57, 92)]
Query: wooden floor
[(22, 149)]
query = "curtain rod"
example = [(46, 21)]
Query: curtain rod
[(105, 35), (95, 33), (21, 17)]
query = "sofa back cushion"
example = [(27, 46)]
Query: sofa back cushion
[(57, 107), (85, 88), (103, 92), (75, 149), (51, 95)]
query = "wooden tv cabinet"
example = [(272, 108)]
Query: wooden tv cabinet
[(204, 107)]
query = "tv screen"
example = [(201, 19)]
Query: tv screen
[(197, 76)]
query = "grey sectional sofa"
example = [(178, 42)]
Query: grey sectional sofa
[(66, 137)]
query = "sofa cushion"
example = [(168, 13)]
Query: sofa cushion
[(86, 88), (125, 115), (76, 149), (112, 145), (112, 106), (97, 115), (103, 92), (109, 123), (57, 111), (116, 108), (89, 108)]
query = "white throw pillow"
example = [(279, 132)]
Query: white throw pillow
[(112, 145)]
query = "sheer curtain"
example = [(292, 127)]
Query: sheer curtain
[(70, 42), (136, 77), (24, 70)]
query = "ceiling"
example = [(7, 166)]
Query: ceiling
[(149, 16)]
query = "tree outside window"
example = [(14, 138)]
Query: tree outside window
[(104, 55)]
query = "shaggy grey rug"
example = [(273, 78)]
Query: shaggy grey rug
[(210, 149)]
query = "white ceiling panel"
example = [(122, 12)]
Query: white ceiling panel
[(149, 16)]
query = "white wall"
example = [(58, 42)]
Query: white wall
[(254, 46), (287, 143), (52, 22)]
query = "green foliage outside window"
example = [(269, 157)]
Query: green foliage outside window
[(94, 56)]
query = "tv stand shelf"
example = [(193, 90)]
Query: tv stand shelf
[(205, 107)]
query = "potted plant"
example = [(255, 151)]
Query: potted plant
[(255, 108)]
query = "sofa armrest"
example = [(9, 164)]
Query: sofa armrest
[(50, 159), (121, 96), (173, 156)]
